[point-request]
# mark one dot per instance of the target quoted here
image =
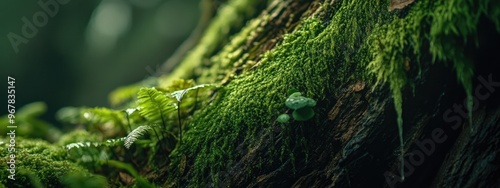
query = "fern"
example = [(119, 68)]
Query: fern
[(99, 119), (108, 143), (114, 142), (91, 151), (155, 105), (79, 145), (108, 122), (178, 95), (135, 134), (129, 113)]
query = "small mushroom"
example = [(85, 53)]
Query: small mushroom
[(296, 102), (283, 118), (303, 114), (311, 102)]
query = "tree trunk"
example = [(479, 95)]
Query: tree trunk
[(327, 50)]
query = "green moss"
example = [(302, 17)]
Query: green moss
[(387, 45), (451, 20), (444, 26), (314, 59), (36, 162), (317, 58)]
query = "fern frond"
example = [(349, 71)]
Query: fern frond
[(79, 145), (130, 111), (109, 143), (91, 151), (154, 105), (109, 122), (114, 142), (135, 134)]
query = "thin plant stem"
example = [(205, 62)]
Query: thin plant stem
[(179, 119)]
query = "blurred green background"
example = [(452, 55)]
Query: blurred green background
[(88, 48)]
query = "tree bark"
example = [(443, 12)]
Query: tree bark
[(353, 142)]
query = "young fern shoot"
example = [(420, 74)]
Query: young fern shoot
[(178, 95)]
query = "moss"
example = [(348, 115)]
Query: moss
[(315, 59), (444, 26), (452, 20), (321, 56), (37, 161)]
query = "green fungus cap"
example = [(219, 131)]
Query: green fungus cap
[(296, 102), (311, 102), (303, 114), (283, 118)]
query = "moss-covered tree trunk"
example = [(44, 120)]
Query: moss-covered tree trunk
[(370, 70)]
